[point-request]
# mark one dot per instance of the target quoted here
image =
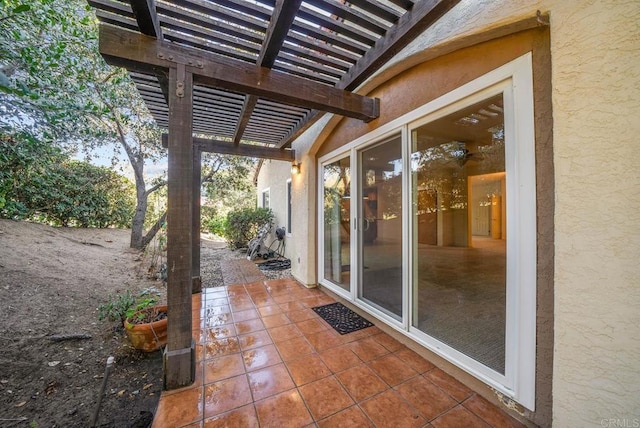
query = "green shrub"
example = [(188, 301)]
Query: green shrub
[(122, 306), (242, 225), (217, 225)]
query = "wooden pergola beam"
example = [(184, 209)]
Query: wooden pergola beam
[(284, 12), (414, 22), (138, 52), (227, 148), (147, 18), (145, 13)]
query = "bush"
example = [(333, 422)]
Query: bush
[(242, 225), (217, 225), (122, 306)]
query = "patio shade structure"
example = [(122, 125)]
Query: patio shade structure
[(251, 76)]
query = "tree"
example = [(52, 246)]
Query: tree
[(40, 182), (55, 85)]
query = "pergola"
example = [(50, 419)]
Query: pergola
[(251, 75)]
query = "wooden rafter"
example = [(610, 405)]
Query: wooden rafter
[(283, 15), (413, 22), (141, 53)]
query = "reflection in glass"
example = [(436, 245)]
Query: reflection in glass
[(381, 226), (459, 218), (337, 179)]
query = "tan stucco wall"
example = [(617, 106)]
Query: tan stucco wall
[(273, 176), (595, 48)]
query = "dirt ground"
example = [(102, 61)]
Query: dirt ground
[(52, 281)]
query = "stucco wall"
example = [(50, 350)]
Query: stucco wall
[(596, 103), (273, 176)]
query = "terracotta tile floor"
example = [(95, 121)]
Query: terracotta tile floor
[(265, 359)]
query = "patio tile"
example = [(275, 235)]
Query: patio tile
[(340, 358), (283, 410), (451, 386), (388, 342), (390, 410), (325, 397), (215, 320), (219, 332), (285, 332), (245, 315), (242, 381), (392, 370), (324, 340), (413, 359), (260, 301), (225, 395), (223, 367), (243, 417), (307, 369), (219, 301), (179, 408), (490, 413), (312, 326), (361, 382), (302, 315), (351, 417), (275, 320), (258, 358), (254, 340), (425, 396), (284, 298), (270, 381), (291, 306), (221, 347), (272, 309), (368, 349), (294, 348), (361, 334), (459, 417), (249, 326)]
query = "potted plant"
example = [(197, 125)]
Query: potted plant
[(147, 328), (144, 321)]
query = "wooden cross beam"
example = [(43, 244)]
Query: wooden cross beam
[(228, 148), (138, 52), (284, 12)]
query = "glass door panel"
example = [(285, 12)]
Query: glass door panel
[(459, 231), (380, 226), (337, 181)]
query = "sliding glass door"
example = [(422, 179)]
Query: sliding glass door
[(380, 226), (336, 177), (459, 239), (429, 224)]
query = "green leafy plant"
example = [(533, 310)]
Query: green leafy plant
[(123, 306), (242, 225)]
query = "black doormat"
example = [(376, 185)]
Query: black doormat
[(341, 318)]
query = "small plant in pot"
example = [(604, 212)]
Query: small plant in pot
[(144, 321)]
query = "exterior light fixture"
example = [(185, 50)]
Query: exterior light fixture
[(295, 168)]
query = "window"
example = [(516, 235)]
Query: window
[(265, 198)]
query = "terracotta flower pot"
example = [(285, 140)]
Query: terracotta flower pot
[(149, 336)]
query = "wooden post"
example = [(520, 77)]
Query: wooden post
[(179, 365), (195, 236)]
